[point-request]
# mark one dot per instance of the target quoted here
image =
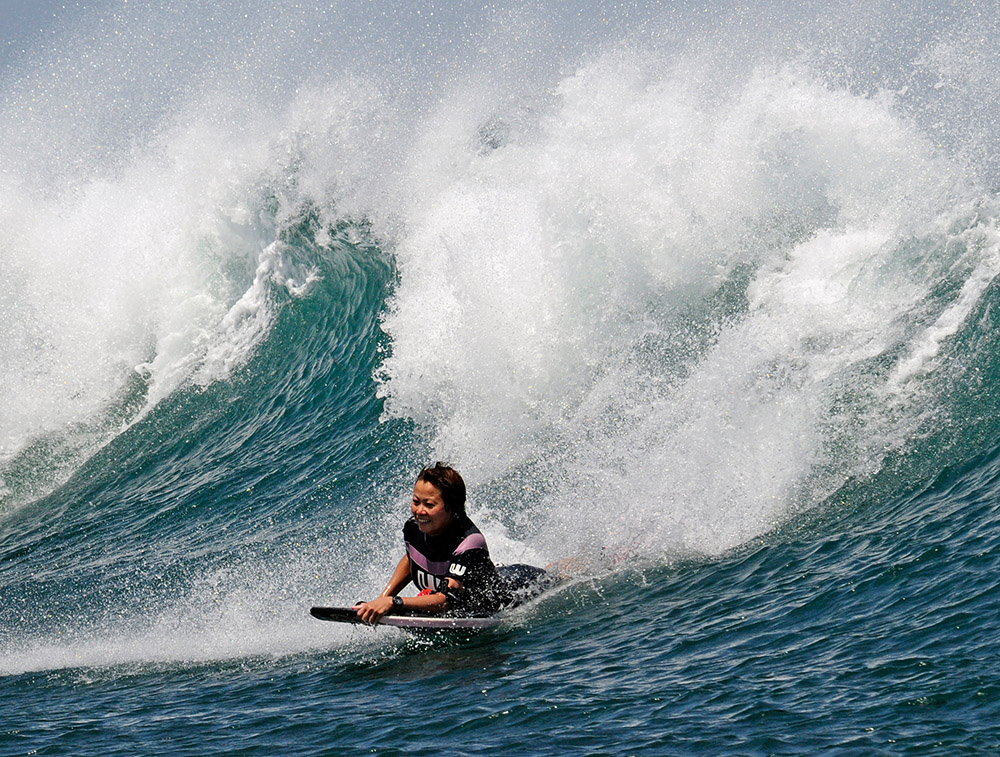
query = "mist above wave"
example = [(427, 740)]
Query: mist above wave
[(643, 254)]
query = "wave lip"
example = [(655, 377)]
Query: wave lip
[(673, 298)]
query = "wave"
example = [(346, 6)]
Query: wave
[(652, 296), (680, 318)]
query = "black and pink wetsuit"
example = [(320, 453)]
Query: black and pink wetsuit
[(459, 553)]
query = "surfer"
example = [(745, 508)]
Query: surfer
[(446, 557)]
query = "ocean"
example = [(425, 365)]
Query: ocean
[(700, 298)]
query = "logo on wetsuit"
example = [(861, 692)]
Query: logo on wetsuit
[(425, 580)]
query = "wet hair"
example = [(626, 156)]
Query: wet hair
[(449, 482)]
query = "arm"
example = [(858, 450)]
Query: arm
[(400, 578), (372, 612)]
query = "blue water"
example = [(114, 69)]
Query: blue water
[(702, 301)]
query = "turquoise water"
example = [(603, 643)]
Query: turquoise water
[(701, 301)]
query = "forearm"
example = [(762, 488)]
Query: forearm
[(400, 578), (372, 612), (434, 602)]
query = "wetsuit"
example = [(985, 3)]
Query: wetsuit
[(459, 553)]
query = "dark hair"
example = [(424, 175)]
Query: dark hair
[(447, 481)]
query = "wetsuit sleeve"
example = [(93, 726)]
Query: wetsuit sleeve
[(467, 565), (482, 591)]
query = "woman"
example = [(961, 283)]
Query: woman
[(446, 557)]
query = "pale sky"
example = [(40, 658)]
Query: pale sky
[(23, 22)]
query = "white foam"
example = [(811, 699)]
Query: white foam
[(563, 247), (543, 286), (922, 356), (165, 268), (254, 607)]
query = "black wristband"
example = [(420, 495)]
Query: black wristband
[(450, 594), (397, 603)]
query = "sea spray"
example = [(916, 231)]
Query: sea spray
[(551, 293), (659, 279), (654, 288)]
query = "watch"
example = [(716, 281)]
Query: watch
[(397, 603)]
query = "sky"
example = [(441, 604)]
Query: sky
[(23, 22)]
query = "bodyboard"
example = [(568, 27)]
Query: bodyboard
[(413, 622)]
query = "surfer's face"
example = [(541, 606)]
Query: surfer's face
[(428, 509)]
